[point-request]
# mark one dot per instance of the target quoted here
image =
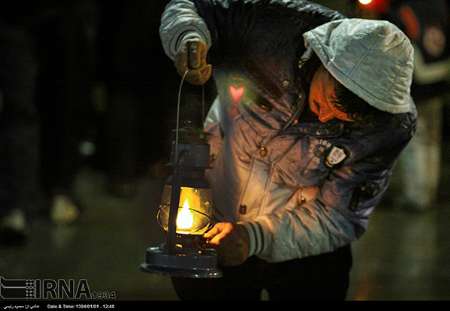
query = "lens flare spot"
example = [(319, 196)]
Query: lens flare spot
[(236, 93)]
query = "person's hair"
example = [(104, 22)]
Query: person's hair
[(356, 107)]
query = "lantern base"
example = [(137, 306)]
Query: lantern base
[(188, 263)]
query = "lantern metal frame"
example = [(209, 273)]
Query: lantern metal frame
[(184, 255)]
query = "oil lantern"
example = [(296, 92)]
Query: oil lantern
[(185, 214)]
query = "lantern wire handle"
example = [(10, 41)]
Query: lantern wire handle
[(203, 103), (177, 129)]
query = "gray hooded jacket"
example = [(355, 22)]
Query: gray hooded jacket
[(300, 188)]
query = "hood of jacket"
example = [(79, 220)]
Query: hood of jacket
[(372, 58)]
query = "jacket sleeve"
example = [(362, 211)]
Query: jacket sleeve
[(317, 226), (180, 22), (337, 216), (213, 21)]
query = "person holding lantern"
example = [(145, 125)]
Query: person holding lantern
[(312, 111)]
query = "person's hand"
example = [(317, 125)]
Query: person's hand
[(232, 242), (192, 58)]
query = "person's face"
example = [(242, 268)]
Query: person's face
[(322, 96)]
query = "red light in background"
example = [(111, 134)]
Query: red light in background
[(379, 6)]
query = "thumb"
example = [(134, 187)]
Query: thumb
[(195, 54), (181, 61)]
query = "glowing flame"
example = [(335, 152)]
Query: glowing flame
[(185, 219), (365, 2)]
